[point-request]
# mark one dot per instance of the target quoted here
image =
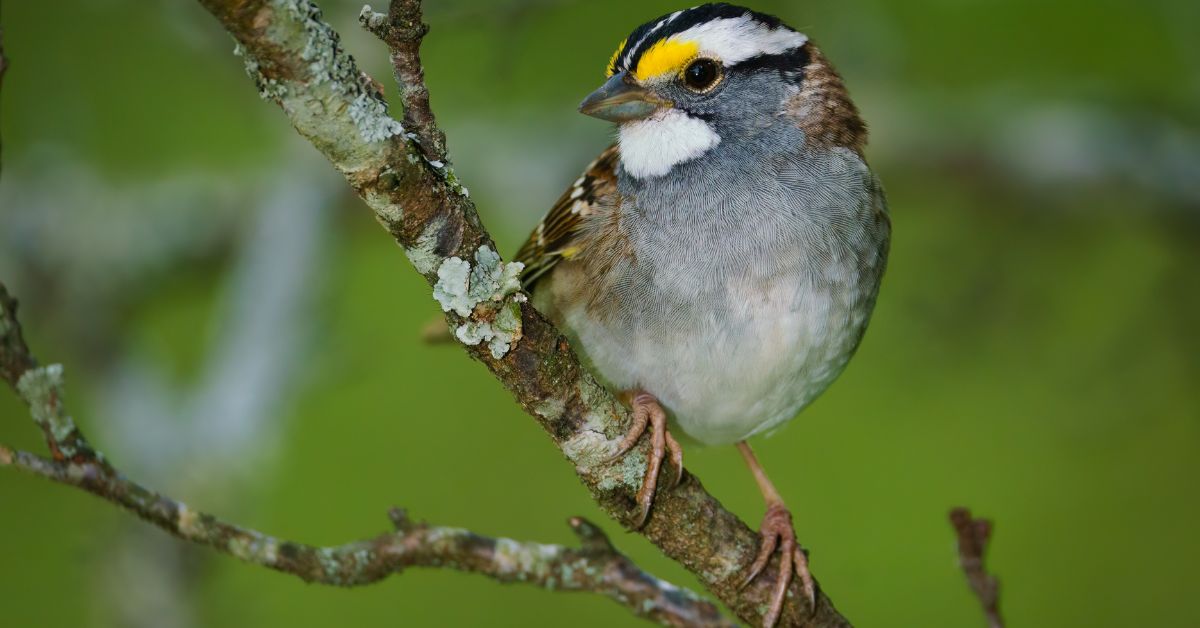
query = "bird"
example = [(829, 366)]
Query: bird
[(716, 267)]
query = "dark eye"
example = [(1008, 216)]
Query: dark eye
[(701, 74)]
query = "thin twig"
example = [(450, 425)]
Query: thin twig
[(973, 538), (596, 566), (402, 30)]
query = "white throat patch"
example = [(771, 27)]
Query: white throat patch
[(651, 147)]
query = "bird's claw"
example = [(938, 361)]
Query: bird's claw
[(776, 532), (648, 413)]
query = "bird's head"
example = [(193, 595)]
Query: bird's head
[(681, 84)]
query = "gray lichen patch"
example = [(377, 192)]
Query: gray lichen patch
[(188, 521), (329, 63), (42, 390), (423, 253), (371, 19), (370, 116), (500, 334), (460, 287), (268, 88), (493, 279), (452, 287), (253, 548), (301, 65), (531, 560)]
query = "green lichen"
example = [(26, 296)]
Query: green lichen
[(455, 183), (629, 471)]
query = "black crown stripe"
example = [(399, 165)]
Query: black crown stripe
[(685, 20)]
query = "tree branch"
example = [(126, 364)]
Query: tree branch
[(595, 566), (973, 538), (402, 30), (297, 62)]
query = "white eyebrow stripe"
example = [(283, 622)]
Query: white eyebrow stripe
[(736, 39), (629, 54)]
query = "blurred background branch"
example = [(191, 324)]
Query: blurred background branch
[(596, 566), (973, 538)]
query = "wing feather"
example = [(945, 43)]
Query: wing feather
[(556, 236)]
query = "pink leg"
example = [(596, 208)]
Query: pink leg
[(777, 532)]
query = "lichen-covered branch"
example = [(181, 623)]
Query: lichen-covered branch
[(595, 566), (297, 62), (973, 538)]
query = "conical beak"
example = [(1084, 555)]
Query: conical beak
[(621, 99)]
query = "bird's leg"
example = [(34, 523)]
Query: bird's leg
[(648, 413), (776, 532)]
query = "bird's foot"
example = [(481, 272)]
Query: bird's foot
[(776, 532), (648, 413)]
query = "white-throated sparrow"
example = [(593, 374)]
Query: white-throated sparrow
[(718, 265)]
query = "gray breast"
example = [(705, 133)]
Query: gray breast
[(739, 287)]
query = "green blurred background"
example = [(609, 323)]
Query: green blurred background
[(238, 332)]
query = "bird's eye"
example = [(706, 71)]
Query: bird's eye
[(701, 74)]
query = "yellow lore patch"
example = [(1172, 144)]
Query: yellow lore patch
[(612, 62), (666, 56)]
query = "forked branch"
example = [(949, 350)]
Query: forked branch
[(596, 566)]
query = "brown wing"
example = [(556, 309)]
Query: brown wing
[(555, 237)]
